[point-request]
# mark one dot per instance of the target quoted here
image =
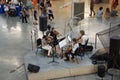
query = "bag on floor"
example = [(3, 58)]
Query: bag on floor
[(89, 48)]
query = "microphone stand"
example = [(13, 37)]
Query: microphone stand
[(53, 53)]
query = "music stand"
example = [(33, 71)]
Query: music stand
[(53, 53)]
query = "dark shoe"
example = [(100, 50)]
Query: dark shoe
[(66, 59), (90, 15)]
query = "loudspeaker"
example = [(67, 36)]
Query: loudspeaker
[(101, 70), (33, 68), (43, 23), (114, 45), (114, 52)]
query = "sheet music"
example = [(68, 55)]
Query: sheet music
[(63, 43), (69, 38)]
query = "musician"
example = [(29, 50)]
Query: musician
[(46, 40), (82, 38), (71, 50), (48, 44), (54, 34), (52, 39)]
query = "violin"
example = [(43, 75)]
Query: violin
[(55, 32), (69, 49)]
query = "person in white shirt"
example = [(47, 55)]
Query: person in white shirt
[(71, 50), (82, 38), (6, 9), (99, 14), (46, 46), (50, 12)]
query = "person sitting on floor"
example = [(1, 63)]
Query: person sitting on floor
[(71, 50), (114, 12)]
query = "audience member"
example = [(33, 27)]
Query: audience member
[(114, 12), (24, 16), (99, 14), (92, 8), (6, 9), (114, 3), (48, 2), (50, 12), (29, 5), (107, 13), (35, 15)]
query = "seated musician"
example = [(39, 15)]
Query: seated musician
[(54, 34), (46, 40), (52, 40), (82, 38), (71, 50)]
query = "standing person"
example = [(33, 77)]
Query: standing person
[(29, 5), (114, 3), (20, 3), (35, 15), (24, 18), (48, 2), (107, 13), (92, 8), (50, 12), (6, 9), (99, 14), (43, 8)]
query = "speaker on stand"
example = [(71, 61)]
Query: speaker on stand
[(43, 23)]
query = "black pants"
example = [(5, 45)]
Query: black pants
[(92, 11), (24, 18), (35, 17), (67, 55), (50, 16)]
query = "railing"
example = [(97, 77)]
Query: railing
[(112, 30), (20, 73)]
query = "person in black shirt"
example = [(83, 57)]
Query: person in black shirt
[(35, 15), (54, 34)]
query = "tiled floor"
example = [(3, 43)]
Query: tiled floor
[(15, 41)]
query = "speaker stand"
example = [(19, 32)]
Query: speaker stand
[(54, 51)]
